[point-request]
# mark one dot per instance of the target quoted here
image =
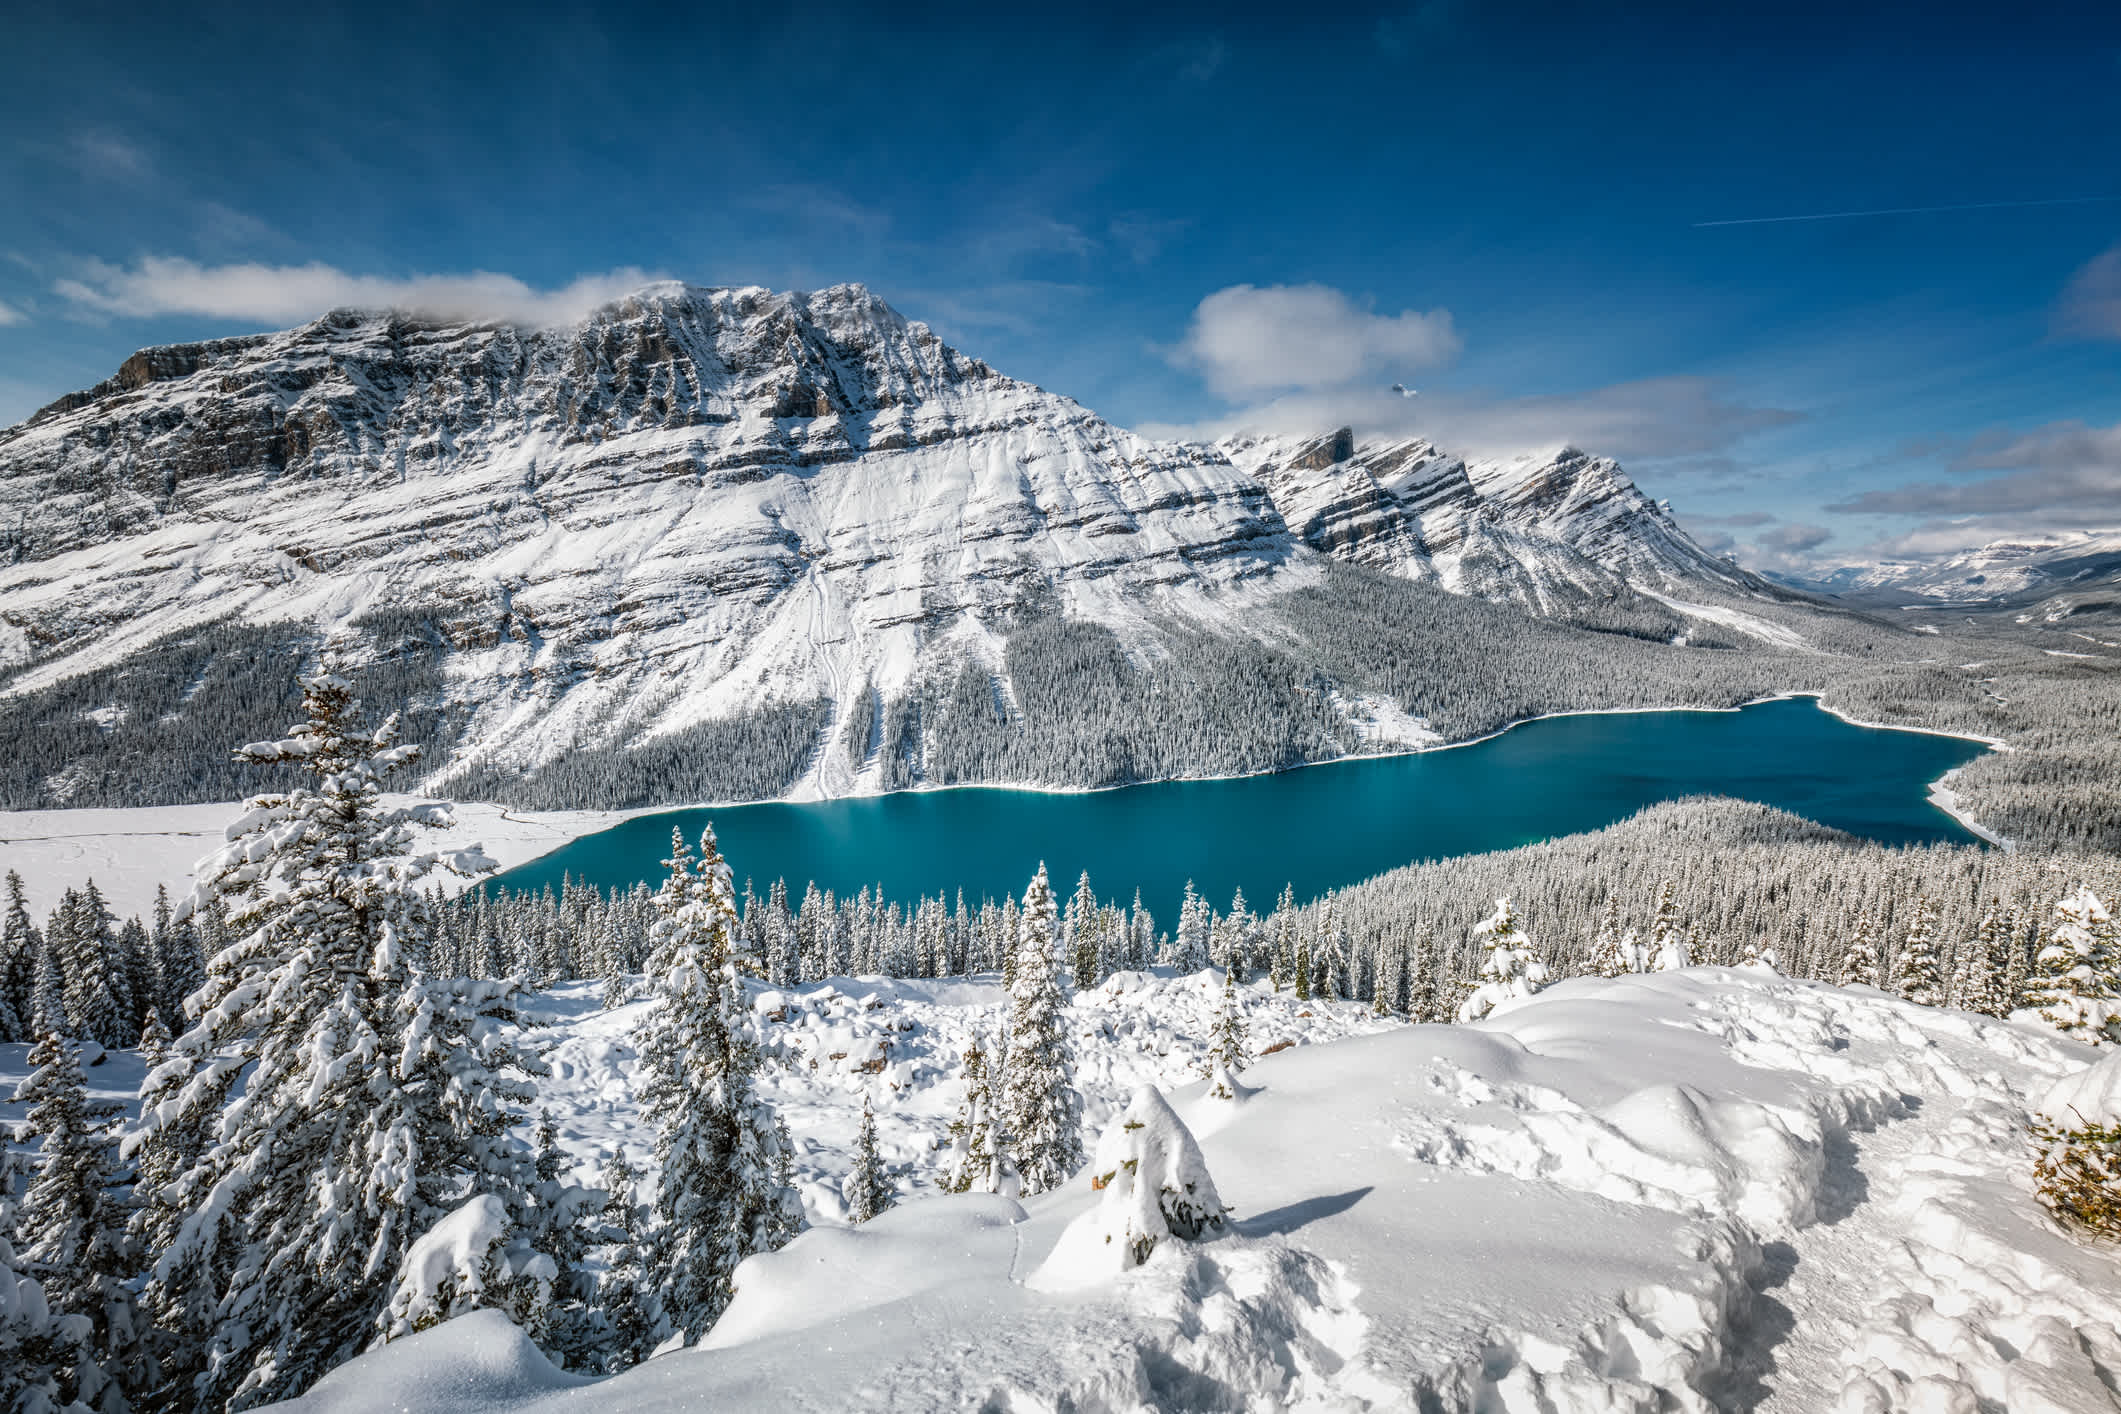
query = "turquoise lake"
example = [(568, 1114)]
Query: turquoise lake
[(1318, 827)]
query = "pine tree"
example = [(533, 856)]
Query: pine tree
[(2076, 985), (631, 1314), (1041, 1109), (979, 1159), (1608, 955), (720, 1198), (374, 1100), (1188, 950), (1230, 1040), (48, 1002), (1916, 976), (154, 1040), (1509, 969), (1085, 935), (1668, 943), (1983, 981), (19, 946), (88, 964), (35, 1345), (616, 991), (72, 1226), (868, 1191), (1860, 965)]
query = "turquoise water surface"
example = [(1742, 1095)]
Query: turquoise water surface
[(1317, 828)]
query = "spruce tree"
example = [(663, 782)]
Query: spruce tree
[(1509, 968), (1916, 975), (19, 947), (1608, 956), (1229, 1042), (1983, 982), (2076, 985), (1085, 935), (1860, 964), (720, 1198), (373, 1099), (1668, 943), (868, 1191), (1041, 1109), (979, 1159), (36, 1346), (71, 1227)]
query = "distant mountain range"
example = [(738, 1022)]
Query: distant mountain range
[(2000, 572), (704, 504)]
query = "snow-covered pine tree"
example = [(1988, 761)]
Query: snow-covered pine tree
[(616, 992), (19, 945), (47, 1015), (1916, 975), (1187, 952), (35, 1345), (154, 1040), (720, 1198), (2076, 982), (1509, 968), (372, 1098), (1085, 935), (1041, 1109), (1860, 964), (1982, 984), (631, 1315), (1281, 961), (1608, 959), (979, 1159), (89, 965), (868, 1191), (71, 1226), (1230, 1039), (1667, 940)]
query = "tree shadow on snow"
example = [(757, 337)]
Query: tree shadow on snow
[(1291, 1216)]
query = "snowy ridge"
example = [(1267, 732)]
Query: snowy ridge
[(2001, 569), (700, 503), (1535, 531), (1708, 1190)]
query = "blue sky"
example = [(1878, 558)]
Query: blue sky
[(1185, 219)]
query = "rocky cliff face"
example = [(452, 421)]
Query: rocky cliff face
[(1538, 532), (701, 502)]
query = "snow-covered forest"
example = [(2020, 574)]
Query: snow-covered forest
[(349, 1109)]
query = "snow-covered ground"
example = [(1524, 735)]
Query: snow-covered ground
[(1716, 1189), (128, 852)]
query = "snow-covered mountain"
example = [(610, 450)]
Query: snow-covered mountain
[(699, 503), (1999, 570), (1530, 530)]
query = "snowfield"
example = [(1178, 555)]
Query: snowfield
[(1708, 1190)]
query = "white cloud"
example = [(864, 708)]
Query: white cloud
[(2091, 305), (1650, 417), (1247, 340), (10, 315), (289, 294)]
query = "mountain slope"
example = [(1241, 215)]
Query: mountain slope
[(1538, 532), (722, 543)]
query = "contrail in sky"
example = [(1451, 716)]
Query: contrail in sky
[(1908, 211)]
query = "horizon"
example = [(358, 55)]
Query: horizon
[(1780, 266)]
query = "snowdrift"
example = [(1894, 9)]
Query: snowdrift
[(1705, 1190)]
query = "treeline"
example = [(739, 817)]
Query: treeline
[(1737, 880)]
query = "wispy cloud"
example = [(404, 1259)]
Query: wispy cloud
[(1907, 211), (2059, 473), (9, 315), (289, 294), (1247, 340), (1654, 417), (2091, 305)]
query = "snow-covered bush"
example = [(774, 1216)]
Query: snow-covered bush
[(1152, 1183), (2077, 1133), (469, 1260), (1508, 970), (2077, 987)]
